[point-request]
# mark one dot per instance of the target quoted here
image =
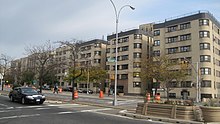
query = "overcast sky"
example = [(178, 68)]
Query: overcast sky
[(32, 22)]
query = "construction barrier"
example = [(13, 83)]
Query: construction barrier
[(76, 96), (101, 94)]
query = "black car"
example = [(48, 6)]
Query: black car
[(89, 91), (26, 95)]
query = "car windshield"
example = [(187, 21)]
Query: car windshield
[(28, 90)]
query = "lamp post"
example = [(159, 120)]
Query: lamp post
[(197, 79), (117, 13)]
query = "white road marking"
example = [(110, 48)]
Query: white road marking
[(95, 110), (21, 116), (41, 108), (24, 107), (68, 112), (8, 111), (3, 105)]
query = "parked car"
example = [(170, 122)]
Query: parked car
[(67, 89), (80, 91), (26, 95), (89, 91), (47, 87)]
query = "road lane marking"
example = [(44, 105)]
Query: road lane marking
[(68, 112), (25, 107), (95, 110), (21, 116), (3, 105), (41, 108), (62, 105)]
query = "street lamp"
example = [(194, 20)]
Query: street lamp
[(197, 79), (117, 13)]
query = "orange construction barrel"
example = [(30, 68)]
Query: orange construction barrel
[(60, 90), (157, 97), (101, 94), (148, 97), (76, 94)]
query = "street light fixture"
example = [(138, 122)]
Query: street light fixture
[(198, 94), (117, 13)]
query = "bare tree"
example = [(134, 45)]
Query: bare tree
[(74, 49), (5, 62), (42, 57)]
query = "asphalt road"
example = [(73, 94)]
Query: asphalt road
[(16, 113)]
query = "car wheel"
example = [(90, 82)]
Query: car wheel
[(12, 98), (23, 100)]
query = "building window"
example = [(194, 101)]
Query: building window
[(137, 36), (204, 46), (107, 67), (136, 65), (186, 84), (98, 45), (156, 43), (97, 60), (172, 50), (156, 53), (172, 28), (125, 39), (124, 48), (124, 76), (108, 50), (172, 39), (98, 53), (185, 26), (124, 57), (203, 22), (137, 55), (136, 74), (217, 73), (203, 34), (185, 37), (123, 67), (156, 32), (137, 45), (136, 84), (206, 83), (205, 71), (185, 48), (173, 84), (205, 58), (172, 95)]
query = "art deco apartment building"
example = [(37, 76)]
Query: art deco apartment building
[(194, 38), (133, 46), (91, 53)]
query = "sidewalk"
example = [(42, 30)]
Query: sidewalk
[(84, 95)]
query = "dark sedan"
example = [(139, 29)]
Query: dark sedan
[(26, 95)]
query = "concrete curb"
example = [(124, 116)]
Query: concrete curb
[(160, 119)]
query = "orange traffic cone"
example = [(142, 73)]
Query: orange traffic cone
[(101, 94)]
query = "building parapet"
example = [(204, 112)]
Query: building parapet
[(186, 17)]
